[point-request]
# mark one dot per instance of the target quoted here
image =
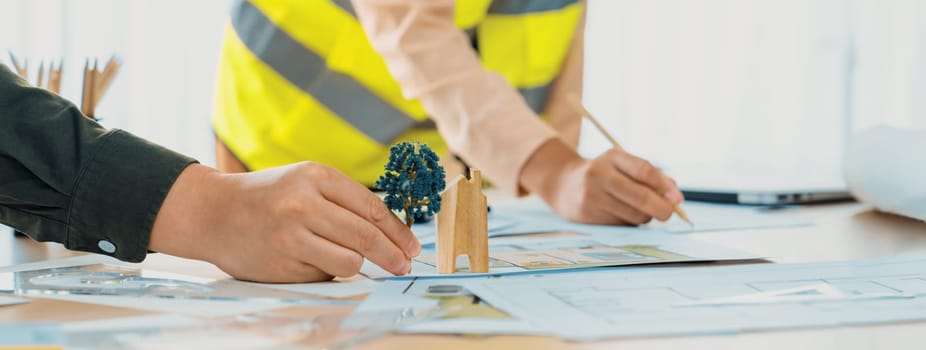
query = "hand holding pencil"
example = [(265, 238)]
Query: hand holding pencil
[(614, 188), (577, 105)]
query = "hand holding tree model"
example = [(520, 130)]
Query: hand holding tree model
[(413, 181)]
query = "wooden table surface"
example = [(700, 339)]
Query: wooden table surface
[(840, 232)]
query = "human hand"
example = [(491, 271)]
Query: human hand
[(614, 188), (299, 223)]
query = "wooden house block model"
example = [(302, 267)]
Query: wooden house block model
[(463, 225)]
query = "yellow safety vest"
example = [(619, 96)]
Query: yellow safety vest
[(299, 80)]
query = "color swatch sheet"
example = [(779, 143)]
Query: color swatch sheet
[(575, 246)]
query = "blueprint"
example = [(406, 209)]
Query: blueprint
[(668, 301), (646, 302)]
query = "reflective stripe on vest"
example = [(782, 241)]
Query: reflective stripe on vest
[(302, 67), (299, 81), (520, 7)]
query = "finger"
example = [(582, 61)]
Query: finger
[(307, 273), (286, 271), (329, 257), (638, 196), (623, 213), (674, 195), (296, 272), (352, 196), (642, 171), (350, 231)]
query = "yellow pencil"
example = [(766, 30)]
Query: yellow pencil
[(577, 105), (21, 69), (54, 78), (41, 82), (106, 78)]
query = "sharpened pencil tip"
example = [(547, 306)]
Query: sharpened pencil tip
[(684, 216)]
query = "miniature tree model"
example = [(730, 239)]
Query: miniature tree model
[(413, 181)]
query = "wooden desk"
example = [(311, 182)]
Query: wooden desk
[(840, 232)]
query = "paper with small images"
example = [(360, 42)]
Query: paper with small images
[(575, 246)]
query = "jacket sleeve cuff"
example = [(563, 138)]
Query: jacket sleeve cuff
[(118, 194)]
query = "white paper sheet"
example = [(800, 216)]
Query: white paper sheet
[(202, 308), (161, 332), (723, 217), (131, 323), (884, 166), (5, 301), (339, 288), (516, 217)]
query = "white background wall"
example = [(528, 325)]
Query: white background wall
[(695, 84), (705, 82), (170, 49)]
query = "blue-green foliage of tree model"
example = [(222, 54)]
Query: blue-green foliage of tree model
[(413, 181)]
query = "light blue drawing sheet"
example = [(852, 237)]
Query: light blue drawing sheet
[(713, 300)]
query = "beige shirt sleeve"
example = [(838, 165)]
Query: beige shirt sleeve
[(482, 118), (561, 113)]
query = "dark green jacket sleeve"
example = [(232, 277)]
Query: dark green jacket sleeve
[(66, 179)]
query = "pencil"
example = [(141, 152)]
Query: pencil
[(577, 105), (94, 75), (54, 78), (40, 83), (21, 69), (85, 92), (106, 79)]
